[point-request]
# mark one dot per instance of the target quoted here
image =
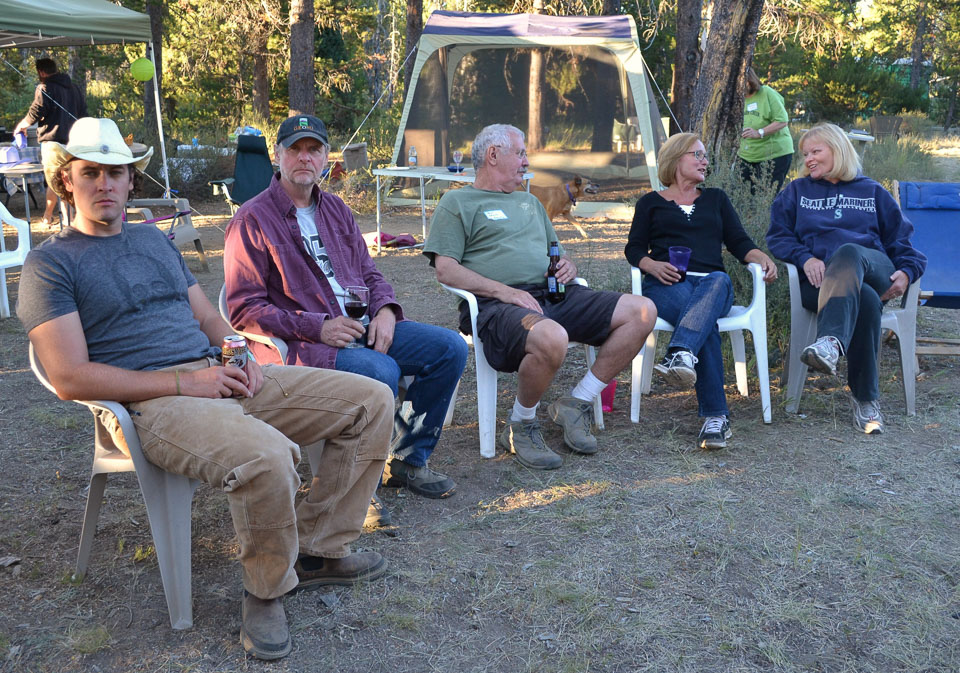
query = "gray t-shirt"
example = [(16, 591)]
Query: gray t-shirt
[(130, 291)]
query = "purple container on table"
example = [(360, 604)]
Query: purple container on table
[(680, 258)]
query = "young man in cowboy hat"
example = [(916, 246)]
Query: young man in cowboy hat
[(114, 313), (290, 255)]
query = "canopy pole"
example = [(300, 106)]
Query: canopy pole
[(156, 103)]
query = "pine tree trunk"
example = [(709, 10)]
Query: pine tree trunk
[(261, 79), (535, 101), (916, 49), (535, 93), (154, 10), (951, 108), (718, 97), (414, 30), (301, 88), (78, 74), (686, 62)]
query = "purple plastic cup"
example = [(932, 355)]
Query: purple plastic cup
[(680, 258)]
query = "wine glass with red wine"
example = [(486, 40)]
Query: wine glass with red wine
[(355, 305)]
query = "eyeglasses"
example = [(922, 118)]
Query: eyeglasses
[(699, 155), (520, 153)]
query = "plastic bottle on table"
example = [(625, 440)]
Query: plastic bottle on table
[(412, 157)]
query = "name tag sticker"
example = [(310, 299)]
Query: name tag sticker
[(751, 107), (495, 214)]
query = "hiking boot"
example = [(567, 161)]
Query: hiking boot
[(315, 571), (867, 416), (264, 633), (822, 355), (420, 480), (714, 433), (575, 416), (677, 368), (524, 439), (378, 516)]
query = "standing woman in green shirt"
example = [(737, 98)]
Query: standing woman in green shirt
[(765, 139)]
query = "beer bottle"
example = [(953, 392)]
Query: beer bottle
[(555, 289)]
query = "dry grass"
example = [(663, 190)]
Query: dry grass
[(802, 547)]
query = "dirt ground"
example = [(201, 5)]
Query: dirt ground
[(803, 546)]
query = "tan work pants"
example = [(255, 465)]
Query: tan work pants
[(250, 448)]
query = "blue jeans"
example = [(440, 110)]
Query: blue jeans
[(693, 307), (848, 307), (435, 357)]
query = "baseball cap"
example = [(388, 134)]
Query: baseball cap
[(301, 126)]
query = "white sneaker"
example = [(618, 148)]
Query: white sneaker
[(677, 368), (867, 416), (822, 355)]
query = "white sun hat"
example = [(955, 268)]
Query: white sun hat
[(96, 140)]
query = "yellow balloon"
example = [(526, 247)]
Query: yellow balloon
[(142, 69)]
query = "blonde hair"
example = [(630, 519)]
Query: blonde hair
[(753, 82), (670, 154), (846, 161)]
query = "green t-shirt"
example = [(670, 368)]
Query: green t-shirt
[(503, 237), (759, 110)]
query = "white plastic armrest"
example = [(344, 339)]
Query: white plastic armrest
[(759, 287), (466, 295)]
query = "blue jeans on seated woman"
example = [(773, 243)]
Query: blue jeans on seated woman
[(848, 308), (693, 307), (435, 357)]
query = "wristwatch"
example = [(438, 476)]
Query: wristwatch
[(760, 131)]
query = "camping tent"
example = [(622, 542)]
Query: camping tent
[(57, 23), (473, 69)]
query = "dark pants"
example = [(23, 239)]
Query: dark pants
[(775, 170), (848, 307)]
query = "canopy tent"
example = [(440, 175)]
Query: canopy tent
[(473, 69), (58, 23)]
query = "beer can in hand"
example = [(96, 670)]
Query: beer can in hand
[(234, 351)]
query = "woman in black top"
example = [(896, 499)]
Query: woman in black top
[(704, 220)]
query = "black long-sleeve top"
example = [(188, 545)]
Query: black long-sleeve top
[(659, 224)]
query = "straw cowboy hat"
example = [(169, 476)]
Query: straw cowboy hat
[(96, 140)]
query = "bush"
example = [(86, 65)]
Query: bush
[(902, 160)]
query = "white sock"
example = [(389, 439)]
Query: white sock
[(588, 388), (522, 413)]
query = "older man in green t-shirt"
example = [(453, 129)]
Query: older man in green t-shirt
[(492, 239)]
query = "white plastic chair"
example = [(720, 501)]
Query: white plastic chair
[(752, 318), (168, 498), (276, 344), (487, 378), (901, 321), (11, 258)]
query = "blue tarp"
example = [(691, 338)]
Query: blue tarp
[(444, 22)]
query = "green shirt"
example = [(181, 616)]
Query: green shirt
[(501, 236), (759, 110)]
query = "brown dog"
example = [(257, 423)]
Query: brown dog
[(559, 199)]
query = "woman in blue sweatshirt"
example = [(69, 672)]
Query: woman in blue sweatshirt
[(704, 220), (849, 237)]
